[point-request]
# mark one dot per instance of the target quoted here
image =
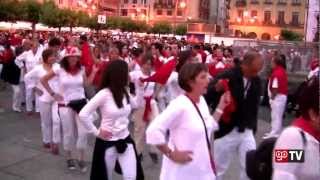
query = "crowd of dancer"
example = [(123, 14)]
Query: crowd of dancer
[(195, 104)]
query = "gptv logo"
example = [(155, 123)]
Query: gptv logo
[(286, 155)]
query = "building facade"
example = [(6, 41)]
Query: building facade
[(264, 19), (219, 15), (173, 11)]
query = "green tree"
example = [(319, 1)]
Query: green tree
[(10, 10), (181, 30), (31, 12), (52, 16), (162, 28), (290, 35)]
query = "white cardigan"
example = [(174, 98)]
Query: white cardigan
[(187, 134)]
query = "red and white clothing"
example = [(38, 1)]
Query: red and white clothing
[(291, 138), (143, 115), (279, 81), (71, 87), (186, 134)]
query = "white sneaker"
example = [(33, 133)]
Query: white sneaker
[(269, 135), (16, 109)]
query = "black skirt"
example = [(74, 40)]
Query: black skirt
[(98, 169)]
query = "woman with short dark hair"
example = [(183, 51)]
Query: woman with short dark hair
[(303, 134), (113, 140), (187, 118)]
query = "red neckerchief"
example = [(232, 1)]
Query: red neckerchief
[(306, 126)]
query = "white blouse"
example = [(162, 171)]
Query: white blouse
[(186, 134), (148, 87), (113, 119), (29, 59), (291, 138), (32, 79), (71, 86)]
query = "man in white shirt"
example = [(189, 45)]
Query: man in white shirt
[(27, 61)]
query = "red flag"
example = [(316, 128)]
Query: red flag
[(86, 58), (163, 73)]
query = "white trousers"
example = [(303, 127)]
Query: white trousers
[(127, 161), (56, 124), (46, 121), (17, 96), (75, 135), (30, 97), (278, 105), (234, 143)]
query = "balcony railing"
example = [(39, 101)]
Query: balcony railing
[(254, 2), (241, 3)]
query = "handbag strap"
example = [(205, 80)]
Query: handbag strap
[(213, 167)]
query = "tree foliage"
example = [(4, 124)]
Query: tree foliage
[(290, 35), (181, 29), (162, 28)]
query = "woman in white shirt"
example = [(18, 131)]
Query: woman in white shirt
[(303, 134), (149, 109), (187, 152), (45, 100), (113, 138), (72, 79)]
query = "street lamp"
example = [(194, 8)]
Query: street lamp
[(182, 5)]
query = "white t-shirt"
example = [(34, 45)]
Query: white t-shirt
[(148, 87), (33, 77), (113, 119), (71, 86)]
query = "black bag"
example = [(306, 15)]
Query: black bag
[(259, 161), (77, 105)]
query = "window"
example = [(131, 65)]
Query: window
[(125, 1), (169, 13), (179, 12), (254, 13), (134, 1), (60, 1), (282, 1), (240, 13), (268, 1), (159, 12), (254, 2), (143, 1), (170, 2), (124, 12), (267, 17), (296, 1), (295, 18), (280, 17)]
